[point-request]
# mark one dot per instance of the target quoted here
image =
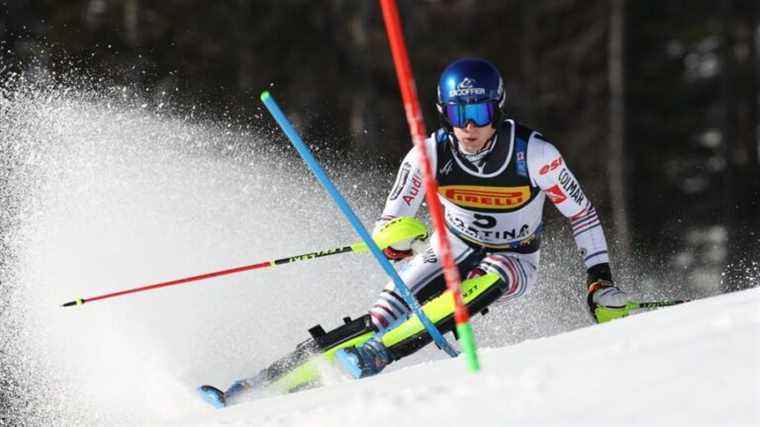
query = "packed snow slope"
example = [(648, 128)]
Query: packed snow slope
[(698, 363)]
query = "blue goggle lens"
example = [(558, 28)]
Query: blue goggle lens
[(480, 114)]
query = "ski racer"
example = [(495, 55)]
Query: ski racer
[(494, 175)]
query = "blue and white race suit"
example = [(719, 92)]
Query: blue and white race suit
[(493, 204)]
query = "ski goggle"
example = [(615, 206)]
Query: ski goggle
[(479, 114)]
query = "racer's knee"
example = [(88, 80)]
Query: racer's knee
[(423, 277), (514, 274)]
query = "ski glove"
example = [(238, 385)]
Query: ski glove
[(606, 301)]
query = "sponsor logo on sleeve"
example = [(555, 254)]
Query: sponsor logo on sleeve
[(403, 176), (414, 190), (571, 187), (555, 195), (474, 196), (551, 166)]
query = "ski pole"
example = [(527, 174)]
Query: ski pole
[(357, 247), (656, 304), (311, 162), (417, 130)]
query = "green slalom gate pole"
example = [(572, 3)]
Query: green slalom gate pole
[(308, 157)]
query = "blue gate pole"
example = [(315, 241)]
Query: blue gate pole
[(308, 157)]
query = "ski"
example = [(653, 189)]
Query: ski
[(296, 371), (303, 367)]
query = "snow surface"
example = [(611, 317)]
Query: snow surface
[(698, 363), (103, 193)]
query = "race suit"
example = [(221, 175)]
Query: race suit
[(493, 205)]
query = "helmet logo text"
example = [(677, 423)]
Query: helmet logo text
[(465, 88)]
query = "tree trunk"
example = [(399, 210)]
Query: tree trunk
[(617, 170)]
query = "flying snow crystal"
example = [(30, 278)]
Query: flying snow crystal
[(101, 194)]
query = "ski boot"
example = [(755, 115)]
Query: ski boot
[(366, 360), (213, 395)]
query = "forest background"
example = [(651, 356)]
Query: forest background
[(654, 104)]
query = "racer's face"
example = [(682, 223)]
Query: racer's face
[(473, 138)]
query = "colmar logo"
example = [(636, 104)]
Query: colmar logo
[(571, 186), (465, 87), (475, 196)]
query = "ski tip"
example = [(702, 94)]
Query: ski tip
[(265, 96), (212, 396)]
